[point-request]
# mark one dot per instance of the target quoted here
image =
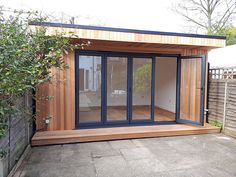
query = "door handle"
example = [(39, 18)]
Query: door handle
[(201, 88)]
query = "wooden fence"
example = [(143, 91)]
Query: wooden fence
[(222, 98), (17, 137)]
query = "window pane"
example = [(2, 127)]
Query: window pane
[(116, 88), (89, 89), (165, 89), (142, 76)]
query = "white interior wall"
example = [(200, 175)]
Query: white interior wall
[(166, 83)]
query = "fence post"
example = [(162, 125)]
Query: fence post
[(225, 104)]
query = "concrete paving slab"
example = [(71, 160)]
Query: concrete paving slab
[(146, 166), (113, 166), (136, 153), (105, 153), (93, 147), (122, 144), (211, 155)]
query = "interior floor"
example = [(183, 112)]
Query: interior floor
[(119, 113)]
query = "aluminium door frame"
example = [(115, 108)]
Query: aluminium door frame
[(202, 96), (115, 122), (151, 118), (128, 121), (87, 124)]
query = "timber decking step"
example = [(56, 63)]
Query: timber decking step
[(115, 133)]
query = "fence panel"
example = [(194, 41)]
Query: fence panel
[(216, 100), (222, 98), (18, 136), (230, 120)]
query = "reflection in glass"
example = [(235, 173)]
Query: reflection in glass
[(116, 88), (89, 89), (165, 89), (142, 75)]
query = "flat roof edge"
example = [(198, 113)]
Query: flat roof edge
[(64, 25)]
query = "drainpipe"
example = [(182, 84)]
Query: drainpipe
[(207, 101)]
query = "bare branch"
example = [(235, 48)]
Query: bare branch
[(211, 15), (230, 10), (194, 21)]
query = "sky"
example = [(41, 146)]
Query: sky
[(135, 14)]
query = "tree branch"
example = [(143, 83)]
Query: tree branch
[(208, 12), (230, 10)]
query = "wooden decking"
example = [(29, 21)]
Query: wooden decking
[(102, 134)]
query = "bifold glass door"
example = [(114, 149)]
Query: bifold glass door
[(116, 88), (113, 89), (191, 89), (141, 89), (90, 89)]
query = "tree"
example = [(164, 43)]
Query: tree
[(210, 16), (25, 59), (230, 34)]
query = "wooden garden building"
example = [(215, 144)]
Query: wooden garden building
[(125, 84)]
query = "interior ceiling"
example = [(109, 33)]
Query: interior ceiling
[(135, 47)]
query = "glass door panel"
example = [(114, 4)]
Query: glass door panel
[(117, 88), (165, 89), (141, 91), (89, 89)]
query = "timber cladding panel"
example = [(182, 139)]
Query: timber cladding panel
[(92, 34), (190, 89), (56, 99)]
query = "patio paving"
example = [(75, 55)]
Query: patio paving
[(212, 155)]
